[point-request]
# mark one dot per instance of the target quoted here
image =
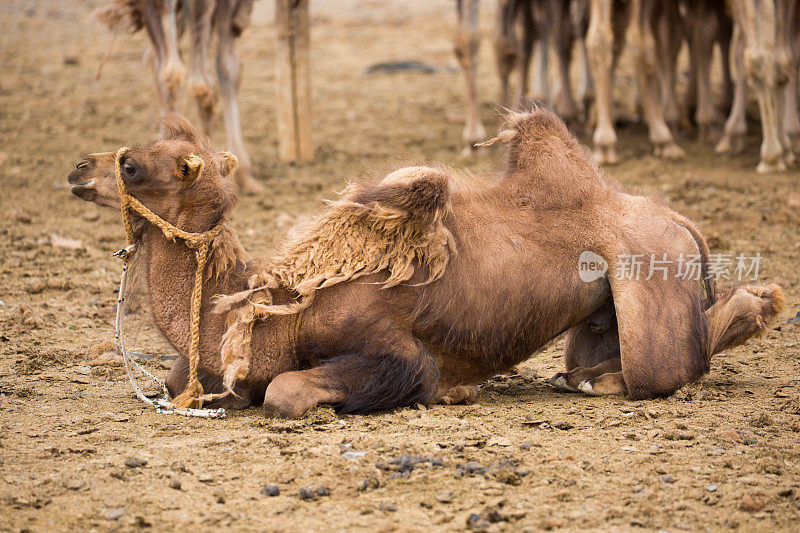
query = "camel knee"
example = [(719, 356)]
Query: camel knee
[(571, 381), (292, 395), (178, 376)]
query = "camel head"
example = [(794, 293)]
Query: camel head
[(180, 177)]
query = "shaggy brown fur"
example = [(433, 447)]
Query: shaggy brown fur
[(494, 279)]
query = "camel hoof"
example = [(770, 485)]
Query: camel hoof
[(586, 387), (460, 394), (605, 155), (250, 186), (468, 150), (708, 133), (670, 151), (789, 158), (559, 381), (730, 144), (765, 167)]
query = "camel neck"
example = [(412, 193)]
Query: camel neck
[(170, 268)]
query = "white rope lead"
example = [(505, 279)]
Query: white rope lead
[(161, 405)]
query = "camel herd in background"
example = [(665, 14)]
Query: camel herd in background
[(760, 38), (759, 41)]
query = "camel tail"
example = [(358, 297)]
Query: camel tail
[(742, 313)]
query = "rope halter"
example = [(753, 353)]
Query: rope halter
[(190, 401)]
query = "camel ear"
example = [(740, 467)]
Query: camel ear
[(190, 168), (228, 164)]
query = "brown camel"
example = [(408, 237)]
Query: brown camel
[(164, 21), (419, 287)]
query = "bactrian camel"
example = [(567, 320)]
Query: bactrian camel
[(421, 286)]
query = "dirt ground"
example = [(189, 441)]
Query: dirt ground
[(79, 452)]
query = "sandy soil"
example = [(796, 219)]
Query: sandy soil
[(79, 452)]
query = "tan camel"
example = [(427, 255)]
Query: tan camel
[(419, 287), (164, 21), (767, 55)]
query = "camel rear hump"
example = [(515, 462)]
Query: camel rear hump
[(546, 161)]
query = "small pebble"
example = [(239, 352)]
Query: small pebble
[(370, 483), (219, 494), (353, 454), (445, 497), (388, 507), (131, 462), (668, 479), (711, 488), (175, 484), (313, 494), (751, 504), (271, 490), (115, 514), (178, 466)]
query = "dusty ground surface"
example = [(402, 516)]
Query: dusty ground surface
[(78, 451)]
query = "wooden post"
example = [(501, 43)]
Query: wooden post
[(293, 78)]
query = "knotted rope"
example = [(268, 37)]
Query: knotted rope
[(192, 396)]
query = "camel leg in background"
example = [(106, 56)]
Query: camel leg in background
[(200, 15), (759, 27), (467, 42), (229, 75), (644, 45), (579, 16), (528, 37), (506, 48), (563, 39), (608, 22), (162, 28), (540, 88), (735, 128), (669, 38)]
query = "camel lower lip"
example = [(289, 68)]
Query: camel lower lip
[(82, 187)]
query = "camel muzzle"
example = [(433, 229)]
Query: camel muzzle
[(84, 191)]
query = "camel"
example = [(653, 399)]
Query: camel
[(421, 286), (766, 45), (164, 21)]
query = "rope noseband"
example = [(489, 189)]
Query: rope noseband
[(190, 401)]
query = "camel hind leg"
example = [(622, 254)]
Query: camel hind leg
[(358, 382), (577, 379), (743, 312), (591, 349)]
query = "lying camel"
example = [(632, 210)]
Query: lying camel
[(421, 286)]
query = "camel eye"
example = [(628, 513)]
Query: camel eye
[(82, 164), (128, 169)]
